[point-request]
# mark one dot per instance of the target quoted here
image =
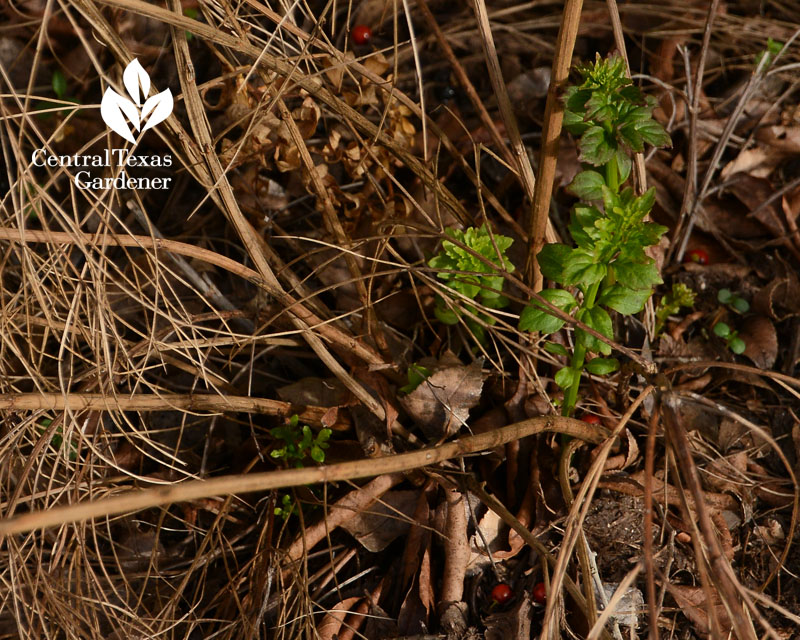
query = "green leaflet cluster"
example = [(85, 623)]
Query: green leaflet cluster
[(607, 268), (471, 276)]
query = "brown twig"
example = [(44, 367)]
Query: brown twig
[(131, 501), (551, 135)]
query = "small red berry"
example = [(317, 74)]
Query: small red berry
[(502, 593), (590, 418), (539, 593), (361, 34), (700, 256)]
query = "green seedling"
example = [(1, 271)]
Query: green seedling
[(190, 12), (670, 304), (300, 443), (608, 268), (469, 275), (417, 374), (774, 47), (57, 441), (731, 338), (59, 84), (733, 300), (287, 507)]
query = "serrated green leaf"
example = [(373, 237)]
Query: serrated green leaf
[(555, 348), (596, 147), (536, 317), (653, 133), (598, 319), (631, 138), (582, 269), (624, 300), (565, 377), (602, 366), (624, 165), (636, 275), (587, 185), (552, 259)]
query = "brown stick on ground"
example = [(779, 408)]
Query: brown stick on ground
[(551, 134)]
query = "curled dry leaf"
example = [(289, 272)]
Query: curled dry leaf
[(693, 603), (385, 521), (762, 341), (780, 298), (441, 404)]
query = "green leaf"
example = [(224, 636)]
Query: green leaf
[(624, 300), (536, 317), (595, 146), (624, 164), (59, 83), (598, 319), (722, 330), (653, 133), (445, 315), (565, 377), (582, 269), (737, 345), (417, 374), (740, 304), (636, 275), (317, 454), (587, 185), (602, 366), (725, 296), (552, 259), (556, 349)]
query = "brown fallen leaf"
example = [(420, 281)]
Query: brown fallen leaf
[(758, 162), (377, 527), (694, 605), (761, 339), (441, 404)]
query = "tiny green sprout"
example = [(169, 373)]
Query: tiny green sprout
[(300, 443), (732, 339), (670, 304), (287, 508), (190, 12), (734, 301), (417, 374), (608, 268), (473, 276), (774, 47), (59, 84)]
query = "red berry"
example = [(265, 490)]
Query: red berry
[(700, 256), (539, 593), (502, 593), (590, 418), (361, 34)]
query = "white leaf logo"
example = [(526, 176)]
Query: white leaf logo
[(161, 106), (114, 108)]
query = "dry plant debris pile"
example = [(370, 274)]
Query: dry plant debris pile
[(341, 320)]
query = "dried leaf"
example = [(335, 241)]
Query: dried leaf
[(758, 162), (327, 392), (780, 298), (381, 524), (441, 404), (762, 341), (692, 602)]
